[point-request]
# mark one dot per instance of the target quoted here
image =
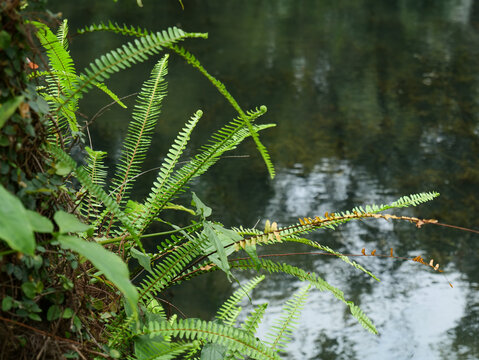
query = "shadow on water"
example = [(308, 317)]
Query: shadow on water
[(373, 100)]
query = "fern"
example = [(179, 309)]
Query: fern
[(229, 310), (313, 279), (154, 203), (222, 89), (140, 130), (124, 30), (166, 270), (131, 31), (281, 331), (116, 60), (95, 189), (97, 172), (225, 139), (62, 77), (193, 329)]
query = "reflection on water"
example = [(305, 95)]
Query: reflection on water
[(373, 100)]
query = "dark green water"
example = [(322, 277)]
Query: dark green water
[(373, 100)]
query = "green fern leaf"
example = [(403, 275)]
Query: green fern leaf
[(156, 199), (140, 131), (131, 53), (222, 89), (211, 332), (225, 139), (228, 311), (282, 330), (95, 190)]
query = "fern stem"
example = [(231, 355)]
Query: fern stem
[(144, 236)]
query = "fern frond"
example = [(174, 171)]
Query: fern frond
[(131, 53), (62, 34), (62, 77), (331, 251), (229, 310), (154, 202), (282, 330), (149, 349), (254, 319), (140, 130), (192, 329), (94, 189), (190, 59), (96, 170), (225, 139), (313, 279), (114, 27), (167, 269)]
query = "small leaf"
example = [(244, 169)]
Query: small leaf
[(29, 289), (62, 169), (142, 258), (67, 313), (53, 313), (69, 223), (201, 209), (7, 303), (251, 251), (15, 229), (107, 262)]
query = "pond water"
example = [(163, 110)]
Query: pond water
[(372, 100)]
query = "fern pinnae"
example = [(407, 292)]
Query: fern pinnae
[(222, 89), (140, 130), (125, 56), (282, 330), (313, 279), (225, 139), (228, 310), (191, 329), (96, 190), (154, 202)]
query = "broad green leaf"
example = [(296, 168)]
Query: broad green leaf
[(107, 262), (8, 108), (201, 209), (213, 352), (39, 223), (15, 227), (142, 258), (68, 223), (219, 257)]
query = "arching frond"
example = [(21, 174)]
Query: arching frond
[(229, 310), (225, 139), (114, 27), (192, 329), (125, 56), (140, 130), (222, 89), (281, 331), (313, 279)]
